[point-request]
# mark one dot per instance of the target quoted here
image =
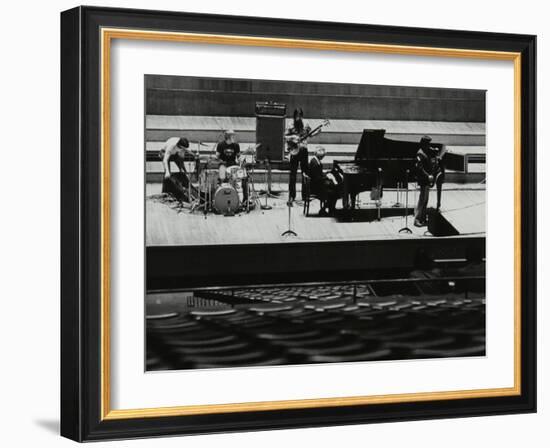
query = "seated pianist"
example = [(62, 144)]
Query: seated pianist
[(324, 185)]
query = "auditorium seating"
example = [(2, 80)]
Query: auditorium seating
[(340, 139), (201, 109), (376, 320)]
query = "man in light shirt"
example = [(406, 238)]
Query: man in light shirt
[(175, 150)]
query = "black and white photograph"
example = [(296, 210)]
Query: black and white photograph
[(295, 223)]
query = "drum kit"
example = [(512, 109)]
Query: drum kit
[(219, 184)]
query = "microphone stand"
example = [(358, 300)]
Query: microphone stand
[(398, 195), (266, 206), (406, 229), (289, 231)]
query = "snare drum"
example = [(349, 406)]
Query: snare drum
[(226, 199), (247, 160), (222, 173), (236, 173)]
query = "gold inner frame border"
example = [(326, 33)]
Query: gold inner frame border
[(107, 36)]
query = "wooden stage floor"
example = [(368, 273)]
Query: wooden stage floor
[(169, 225)]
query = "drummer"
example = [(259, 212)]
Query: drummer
[(228, 152)]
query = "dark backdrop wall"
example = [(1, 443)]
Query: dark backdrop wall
[(176, 95)]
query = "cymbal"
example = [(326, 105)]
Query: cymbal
[(251, 150)]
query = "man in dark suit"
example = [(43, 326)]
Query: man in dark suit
[(322, 184), (424, 178)]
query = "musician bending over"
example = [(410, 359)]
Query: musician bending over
[(176, 150), (324, 185), (228, 152)]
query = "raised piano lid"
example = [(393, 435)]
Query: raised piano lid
[(374, 145), (370, 145)]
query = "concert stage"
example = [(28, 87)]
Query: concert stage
[(183, 246), (185, 249), (169, 224)]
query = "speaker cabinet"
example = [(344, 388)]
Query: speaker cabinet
[(270, 131)]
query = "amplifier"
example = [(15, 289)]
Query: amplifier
[(270, 131), (270, 108)]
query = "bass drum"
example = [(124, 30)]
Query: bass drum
[(226, 199)]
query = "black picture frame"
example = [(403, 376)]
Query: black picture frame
[(81, 226)]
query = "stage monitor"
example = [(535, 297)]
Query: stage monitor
[(438, 225)]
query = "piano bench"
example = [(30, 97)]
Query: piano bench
[(308, 195), (307, 202)]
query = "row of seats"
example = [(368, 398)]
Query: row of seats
[(340, 139), (316, 324)]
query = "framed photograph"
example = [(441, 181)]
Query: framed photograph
[(276, 224)]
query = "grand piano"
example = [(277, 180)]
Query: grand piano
[(381, 162)]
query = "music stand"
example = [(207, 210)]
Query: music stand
[(406, 229), (267, 190), (398, 195)]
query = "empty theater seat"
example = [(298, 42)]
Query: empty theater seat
[(318, 324)]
